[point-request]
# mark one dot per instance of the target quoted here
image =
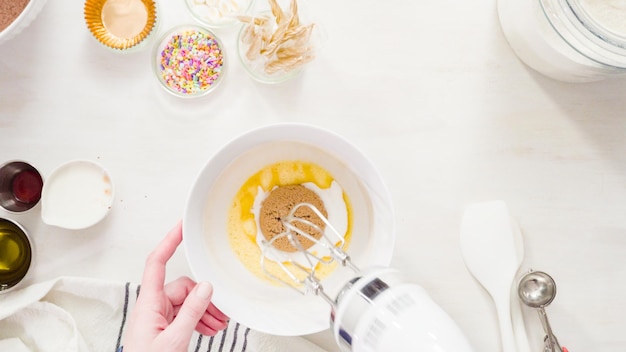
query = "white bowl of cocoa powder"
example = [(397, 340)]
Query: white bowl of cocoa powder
[(15, 15)]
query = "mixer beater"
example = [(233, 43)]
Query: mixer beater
[(376, 310), (303, 274)]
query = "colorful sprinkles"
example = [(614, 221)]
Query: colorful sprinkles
[(190, 62)]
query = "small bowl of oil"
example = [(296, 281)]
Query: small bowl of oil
[(16, 254)]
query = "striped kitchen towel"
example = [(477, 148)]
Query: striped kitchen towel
[(86, 315)]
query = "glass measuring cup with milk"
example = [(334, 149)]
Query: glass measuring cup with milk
[(568, 40)]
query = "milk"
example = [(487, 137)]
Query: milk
[(76, 195)]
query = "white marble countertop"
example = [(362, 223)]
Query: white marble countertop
[(430, 91)]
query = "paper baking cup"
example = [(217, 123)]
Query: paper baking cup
[(93, 18)]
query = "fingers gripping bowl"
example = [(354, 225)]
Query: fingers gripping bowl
[(258, 302)]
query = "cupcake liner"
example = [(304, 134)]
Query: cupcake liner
[(93, 18)]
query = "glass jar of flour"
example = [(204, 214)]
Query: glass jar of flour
[(568, 40)]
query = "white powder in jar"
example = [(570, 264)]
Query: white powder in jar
[(610, 14)]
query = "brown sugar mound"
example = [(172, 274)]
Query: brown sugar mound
[(279, 203), (9, 11)]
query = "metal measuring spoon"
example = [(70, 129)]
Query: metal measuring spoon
[(537, 289)]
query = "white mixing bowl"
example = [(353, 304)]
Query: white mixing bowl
[(253, 301), (22, 21)]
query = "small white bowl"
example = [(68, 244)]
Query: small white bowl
[(252, 301), (77, 195), (30, 12)]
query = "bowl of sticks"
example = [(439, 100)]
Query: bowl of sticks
[(275, 45)]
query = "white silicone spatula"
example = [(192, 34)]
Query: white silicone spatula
[(519, 329), (488, 246)]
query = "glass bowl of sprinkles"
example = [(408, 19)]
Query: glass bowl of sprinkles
[(218, 13), (189, 61)]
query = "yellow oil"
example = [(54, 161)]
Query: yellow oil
[(242, 226), (15, 254)]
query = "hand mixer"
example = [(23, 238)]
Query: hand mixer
[(377, 310)]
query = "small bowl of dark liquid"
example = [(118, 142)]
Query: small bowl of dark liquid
[(15, 254), (20, 186)]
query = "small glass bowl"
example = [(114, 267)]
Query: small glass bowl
[(95, 21), (189, 61), (256, 68), (218, 13)]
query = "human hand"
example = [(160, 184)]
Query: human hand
[(165, 316)]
